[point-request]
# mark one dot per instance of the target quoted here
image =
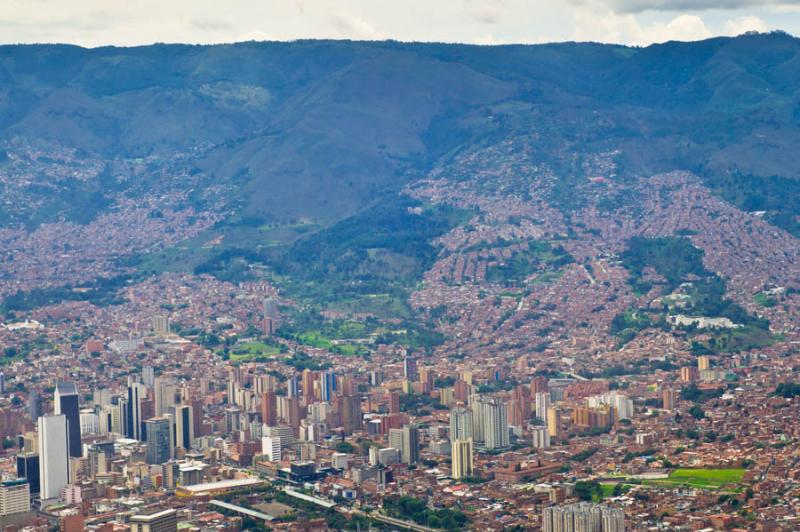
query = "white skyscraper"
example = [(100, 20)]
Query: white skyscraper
[(460, 424), (53, 456), (495, 424), (542, 404)]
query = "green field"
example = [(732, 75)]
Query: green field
[(710, 479), (253, 350)]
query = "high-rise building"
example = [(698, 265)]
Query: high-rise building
[(542, 400), (133, 418), (34, 406), (270, 307), (2, 382), (269, 408), (668, 399), (292, 386), (161, 521), (410, 444), (622, 404), (410, 368), (148, 376), (327, 385), (703, 362), (15, 497), (460, 424), (553, 423), (161, 325), (689, 374), (271, 448), (53, 456), (159, 448), (462, 458), (165, 392), (90, 422), (583, 517), (66, 403), (540, 438), (495, 424), (183, 418), (475, 402), (28, 468), (350, 411), (393, 402)]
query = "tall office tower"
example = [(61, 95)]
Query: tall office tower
[(553, 422), (2, 382), (540, 438), (161, 521), (406, 440), (161, 325), (495, 424), (148, 376), (542, 400), (159, 448), (65, 403), (460, 424), (350, 411), (28, 468), (53, 456), (15, 497), (668, 399), (133, 415), (462, 458), (269, 408), (90, 422), (183, 430), (165, 392), (293, 386), (410, 368), (34, 406), (271, 448), (327, 385)]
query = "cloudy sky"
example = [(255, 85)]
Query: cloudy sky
[(640, 22)]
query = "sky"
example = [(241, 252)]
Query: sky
[(636, 22)]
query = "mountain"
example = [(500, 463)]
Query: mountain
[(314, 129), (349, 172)]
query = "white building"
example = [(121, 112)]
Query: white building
[(15, 497), (271, 448), (540, 437), (53, 456)]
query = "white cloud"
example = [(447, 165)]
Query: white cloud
[(638, 6), (596, 22), (743, 24)]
